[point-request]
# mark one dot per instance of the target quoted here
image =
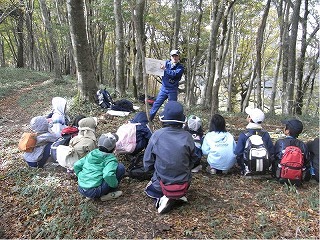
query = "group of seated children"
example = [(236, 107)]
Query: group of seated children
[(172, 152)]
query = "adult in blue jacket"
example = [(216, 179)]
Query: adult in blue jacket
[(173, 71)]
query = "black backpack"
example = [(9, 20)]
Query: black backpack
[(123, 105), (104, 98), (255, 155), (136, 169)]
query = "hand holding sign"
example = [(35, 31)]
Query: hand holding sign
[(152, 66)]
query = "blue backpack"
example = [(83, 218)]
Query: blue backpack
[(104, 98)]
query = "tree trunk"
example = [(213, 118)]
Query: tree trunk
[(30, 34), (292, 56), (20, 46), (259, 42), (285, 61), (137, 11), (53, 44), (119, 58), (218, 10), (277, 70), (2, 56), (192, 69), (137, 18), (177, 23), (250, 86), (220, 60), (82, 53), (234, 43), (301, 61)]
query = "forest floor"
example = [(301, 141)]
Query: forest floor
[(45, 203)]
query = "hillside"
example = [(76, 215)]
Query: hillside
[(45, 203)]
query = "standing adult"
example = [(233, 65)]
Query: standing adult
[(173, 71)]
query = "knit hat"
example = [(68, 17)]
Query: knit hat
[(173, 113), (294, 125), (256, 115), (108, 141), (194, 123)]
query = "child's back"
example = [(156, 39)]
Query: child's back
[(292, 130), (41, 152), (219, 145), (194, 127), (143, 132), (86, 140), (254, 119)]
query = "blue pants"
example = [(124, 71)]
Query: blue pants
[(104, 188), (153, 189), (162, 96)]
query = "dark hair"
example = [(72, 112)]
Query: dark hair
[(76, 120), (217, 124), (173, 125), (103, 149), (292, 132)]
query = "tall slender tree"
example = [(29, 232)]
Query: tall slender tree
[(87, 85), (119, 58)]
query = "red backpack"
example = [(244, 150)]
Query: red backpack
[(290, 168)]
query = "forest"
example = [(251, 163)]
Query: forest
[(235, 53)]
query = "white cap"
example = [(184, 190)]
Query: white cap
[(256, 115), (174, 52), (194, 123)]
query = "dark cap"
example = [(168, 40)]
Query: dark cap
[(294, 125), (173, 113)]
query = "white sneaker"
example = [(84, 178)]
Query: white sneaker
[(184, 199), (196, 169), (165, 204), (111, 196)]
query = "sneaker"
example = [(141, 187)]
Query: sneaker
[(111, 196), (165, 204), (225, 171), (211, 170), (184, 199), (196, 169)]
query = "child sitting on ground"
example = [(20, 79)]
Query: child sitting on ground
[(81, 144), (99, 172), (66, 135), (292, 129), (58, 118), (219, 145), (171, 154), (313, 147), (41, 153), (86, 139), (194, 126), (255, 118), (143, 132)]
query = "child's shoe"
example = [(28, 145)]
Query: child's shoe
[(165, 204), (196, 169), (211, 170), (111, 196)]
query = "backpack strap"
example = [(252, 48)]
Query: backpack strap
[(257, 132)]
